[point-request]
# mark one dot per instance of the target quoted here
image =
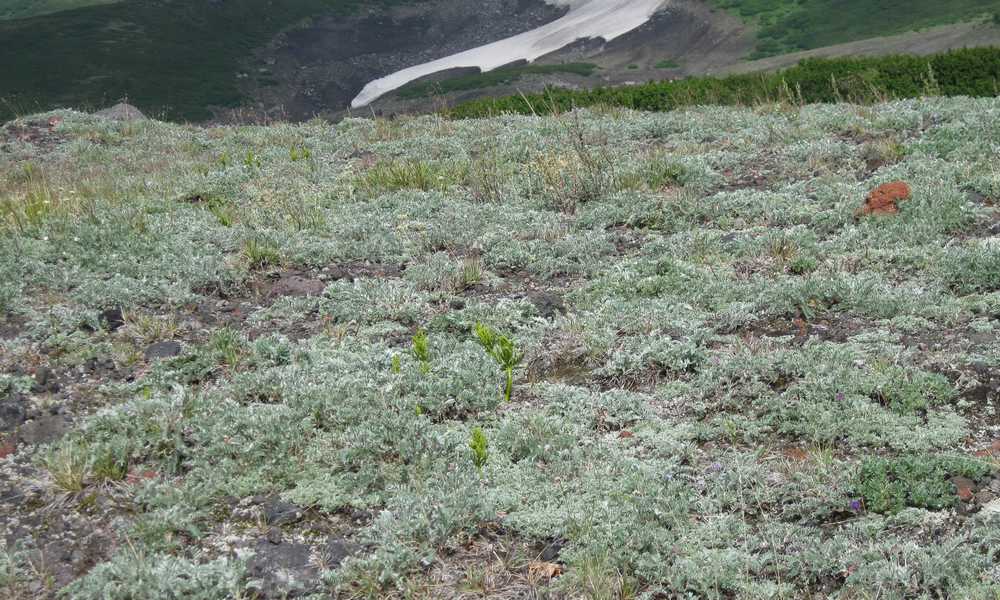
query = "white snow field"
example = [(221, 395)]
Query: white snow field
[(605, 19)]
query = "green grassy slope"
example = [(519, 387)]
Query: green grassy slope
[(731, 387), (172, 57), (792, 25), (22, 9)]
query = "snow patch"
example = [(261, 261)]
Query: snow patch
[(605, 19)]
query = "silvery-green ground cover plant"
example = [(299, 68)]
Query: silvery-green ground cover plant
[(603, 354)]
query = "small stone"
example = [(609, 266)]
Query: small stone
[(12, 412), (277, 512), (273, 535), (995, 486), (43, 429), (359, 515), (336, 550), (297, 286), (336, 272), (548, 304), (551, 552), (159, 350), (112, 318), (984, 496), (282, 569), (874, 164), (45, 381)]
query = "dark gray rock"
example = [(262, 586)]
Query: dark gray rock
[(98, 366), (730, 238), (13, 411), (985, 497), (548, 304), (278, 512), (274, 536), (283, 570), (112, 318), (162, 350), (45, 381), (43, 429), (338, 549), (551, 552), (297, 285)]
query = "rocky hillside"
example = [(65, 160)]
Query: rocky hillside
[(719, 353)]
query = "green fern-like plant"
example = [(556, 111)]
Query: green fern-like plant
[(299, 153), (251, 161), (480, 448), (503, 351), (422, 350)]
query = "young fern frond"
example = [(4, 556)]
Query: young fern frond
[(487, 337), (479, 446), (422, 350), (506, 354), (503, 351)]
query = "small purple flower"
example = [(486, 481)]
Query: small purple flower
[(856, 505), (715, 467), (840, 396)]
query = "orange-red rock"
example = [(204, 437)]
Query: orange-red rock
[(544, 570), (885, 199), (992, 451), (964, 487), (135, 476), (795, 454)]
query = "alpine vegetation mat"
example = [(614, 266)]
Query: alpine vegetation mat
[(741, 352)]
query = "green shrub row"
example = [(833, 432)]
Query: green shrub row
[(968, 72), (792, 25)]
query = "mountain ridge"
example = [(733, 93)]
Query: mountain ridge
[(255, 59)]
